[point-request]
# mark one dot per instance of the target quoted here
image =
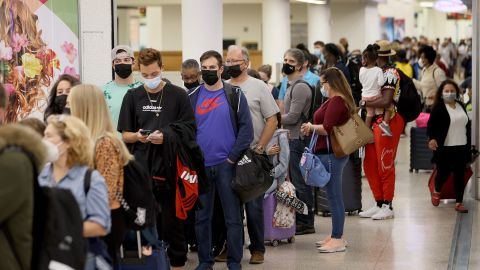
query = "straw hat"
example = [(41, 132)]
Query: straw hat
[(385, 48)]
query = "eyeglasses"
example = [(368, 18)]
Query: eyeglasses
[(230, 62)]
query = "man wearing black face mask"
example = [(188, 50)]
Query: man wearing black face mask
[(190, 74), (263, 110), (114, 91), (223, 134)]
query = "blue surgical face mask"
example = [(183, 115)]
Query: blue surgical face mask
[(449, 97), (324, 92), (153, 83), (317, 52)]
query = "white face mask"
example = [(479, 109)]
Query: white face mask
[(420, 63), (53, 153), (153, 83)]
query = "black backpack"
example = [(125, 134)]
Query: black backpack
[(409, 104), (354, 63), (57, 225), (315, 103), (138, 201)]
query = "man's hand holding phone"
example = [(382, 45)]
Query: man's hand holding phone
[(142, 135), (155, 137)]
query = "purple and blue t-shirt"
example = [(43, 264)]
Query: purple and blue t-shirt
[(215, 134)]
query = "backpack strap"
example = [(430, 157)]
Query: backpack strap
[(232, 98), (87, 179), (303, 117)]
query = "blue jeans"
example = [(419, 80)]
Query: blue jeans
[(334, 192), (304, 191), (255, 226), (220, 177)]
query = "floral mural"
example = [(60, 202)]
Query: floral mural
[(38, 43)]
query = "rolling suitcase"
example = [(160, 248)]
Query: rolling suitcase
[(420, 154), (448, 189), (351, 187), (272, 234), (135, 260)]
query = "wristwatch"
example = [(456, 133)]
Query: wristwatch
[(259, 149)]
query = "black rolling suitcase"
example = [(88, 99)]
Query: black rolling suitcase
[(351, 186), (420, 154)]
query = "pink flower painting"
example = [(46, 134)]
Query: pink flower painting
[(19, 42), (5, 52), (70, 50)]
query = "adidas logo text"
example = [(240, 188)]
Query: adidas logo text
[(244, 160)]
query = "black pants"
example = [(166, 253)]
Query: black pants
[(452, 159), (171, 229), (115, 238)]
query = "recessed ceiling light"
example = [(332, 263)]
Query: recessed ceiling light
[(316, 2), (427, 4)]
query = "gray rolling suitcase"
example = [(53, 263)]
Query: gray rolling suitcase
[(420, 154), (352, 189)]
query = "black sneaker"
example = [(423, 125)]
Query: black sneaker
[(304, 229)]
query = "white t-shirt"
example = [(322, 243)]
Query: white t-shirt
[(457, 131), (372, 80), (261, 104)]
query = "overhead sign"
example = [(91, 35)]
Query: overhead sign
[(450, 6)]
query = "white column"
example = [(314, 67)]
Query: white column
[(95, 41), (372, 25), (475, 95), (276, 32), (319, 24), (202, 27), (154, 27)]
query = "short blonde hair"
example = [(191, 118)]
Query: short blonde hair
[(87, 102), (74, 132)]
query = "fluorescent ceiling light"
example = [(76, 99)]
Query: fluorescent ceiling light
[(450, 6), (316, 2), (427, 4)]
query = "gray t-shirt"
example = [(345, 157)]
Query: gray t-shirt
[(297, 103), (261, 104)]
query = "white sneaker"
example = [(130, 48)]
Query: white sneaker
[(370, 212), (384, 213)]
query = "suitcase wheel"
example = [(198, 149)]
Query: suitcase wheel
[(275, 243), (324, 214), (291, 240), (416, 171), (411, 170), (352, 213)]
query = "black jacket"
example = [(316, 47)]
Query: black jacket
[(179, 137), (437, 128)]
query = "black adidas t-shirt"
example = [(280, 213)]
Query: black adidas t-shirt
[(137, 112)]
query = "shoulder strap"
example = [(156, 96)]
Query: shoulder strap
[(87, 179), (304, 117), (232, 98)]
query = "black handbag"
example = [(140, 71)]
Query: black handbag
[(253, 176)]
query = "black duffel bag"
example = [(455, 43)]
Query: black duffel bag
[(253, 176)]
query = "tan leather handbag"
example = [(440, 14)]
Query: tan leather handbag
[(349, 137)]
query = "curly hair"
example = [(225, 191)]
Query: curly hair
[(19, 22), (74, 132)]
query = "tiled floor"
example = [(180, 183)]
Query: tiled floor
[(419, 237)]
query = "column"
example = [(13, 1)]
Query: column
[(95, 41), (276, 33), (475, 94), (319, 24), (154, 27), (202, 27), (372, 25)]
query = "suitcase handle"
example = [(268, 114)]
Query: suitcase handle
[(139, 247)]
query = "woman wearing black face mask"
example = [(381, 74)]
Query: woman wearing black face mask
[(297, 106), (58, 94)]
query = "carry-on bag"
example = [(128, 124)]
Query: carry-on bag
[(135, 260), (448, 189), (420, 154), (273, 234), (351, 186)]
